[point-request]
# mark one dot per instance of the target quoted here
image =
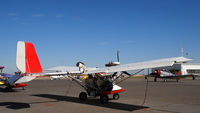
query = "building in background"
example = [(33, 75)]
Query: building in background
[(185, 68)]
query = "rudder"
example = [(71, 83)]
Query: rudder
[(27, 60)]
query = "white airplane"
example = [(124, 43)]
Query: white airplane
[(96, 82), (168, 75)]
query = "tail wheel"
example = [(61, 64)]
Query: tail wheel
[(83, 96), (104, 99), (116, 96)]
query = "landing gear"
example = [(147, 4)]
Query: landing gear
[(193, 77), (83, 96), (116, 96), (146, 77), (155, 79), (9, 89), (104, 99)]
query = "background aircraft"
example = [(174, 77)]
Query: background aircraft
[(112, 63), (168, 75), (27, 63)]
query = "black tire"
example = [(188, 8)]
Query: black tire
[(104, 99), (155, 79), (9, 89), (83, 96), (116, 96)]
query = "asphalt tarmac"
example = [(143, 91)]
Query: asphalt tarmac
[(61, 96)]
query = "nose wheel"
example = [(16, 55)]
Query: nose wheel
[(83, 96), (116, 96), (104, 99)]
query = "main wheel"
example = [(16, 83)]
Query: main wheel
[(104, 99), (9, 89), (116, 96), (155, 79), (83, 96)]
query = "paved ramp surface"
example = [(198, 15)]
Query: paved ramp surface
[(60, 96)]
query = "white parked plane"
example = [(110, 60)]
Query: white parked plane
[(168, 75), (96, 83)]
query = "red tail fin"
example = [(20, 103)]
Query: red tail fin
[(32, 61)]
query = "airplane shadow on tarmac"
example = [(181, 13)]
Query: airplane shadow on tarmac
[(15, 105), (4, 90), (94, 102)]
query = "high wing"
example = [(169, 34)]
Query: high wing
[(141, 65), (126, 67), (69, 69)]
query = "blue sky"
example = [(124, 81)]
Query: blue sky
[(67, 31)]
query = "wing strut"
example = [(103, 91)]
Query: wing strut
[(130, 75), (77, 81)]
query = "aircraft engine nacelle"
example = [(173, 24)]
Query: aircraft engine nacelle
[(81, 66)]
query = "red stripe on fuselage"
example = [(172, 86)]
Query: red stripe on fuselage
[(20, 85), (112, 92)]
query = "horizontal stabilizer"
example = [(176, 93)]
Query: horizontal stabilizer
[(25, 79)]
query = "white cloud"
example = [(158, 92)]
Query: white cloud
[(103, 43), (12, 14), (38, 15), (59, 15), (128, 42)]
